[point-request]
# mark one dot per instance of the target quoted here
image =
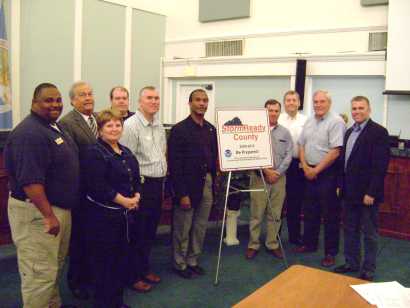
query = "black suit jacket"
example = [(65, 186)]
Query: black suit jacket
[(187, 160), (367, 165)]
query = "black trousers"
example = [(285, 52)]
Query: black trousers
[(79, 272), (144, 231), (321, 201), (361, 219), (295, 189), (107, 240)]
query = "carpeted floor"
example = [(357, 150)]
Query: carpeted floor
[(238, 276)]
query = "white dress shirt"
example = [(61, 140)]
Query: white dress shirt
[(295, 126)]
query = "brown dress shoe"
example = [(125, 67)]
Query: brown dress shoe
[(277, 253), (328, 261), (250, 253), (141, 286), (303, 249), (152, 278)]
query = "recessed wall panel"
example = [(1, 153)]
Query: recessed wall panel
[(148, 34), (103, 44), (47, 39)]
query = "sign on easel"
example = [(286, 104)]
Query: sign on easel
[(244, 141)]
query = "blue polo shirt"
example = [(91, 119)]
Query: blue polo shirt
[(38, 153)]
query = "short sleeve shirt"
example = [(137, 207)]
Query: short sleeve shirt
[(37, 153), (320, 135)]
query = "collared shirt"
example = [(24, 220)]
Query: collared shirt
[(320, 135), (282, 147), (37, 153), (87, 117), (107, 173), (356, 131), (147, 142), (295, 126), (129, 115)]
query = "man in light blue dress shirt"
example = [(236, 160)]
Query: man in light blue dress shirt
[(320, 144)]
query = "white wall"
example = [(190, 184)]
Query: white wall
[(278, 27)]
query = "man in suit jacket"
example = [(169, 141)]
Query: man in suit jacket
[(365, 158), (192, 150), (80, 123)]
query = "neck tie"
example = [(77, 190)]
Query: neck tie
[(93, 126), (356, 127)]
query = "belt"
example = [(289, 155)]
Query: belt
[(125, 212), (103, 205), (152, 179)]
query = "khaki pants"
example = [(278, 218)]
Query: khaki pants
[(189, 229), (260, 206), (40, 255)]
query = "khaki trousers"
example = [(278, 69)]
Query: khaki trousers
[(40, 255), (189, 229), (260, 206)]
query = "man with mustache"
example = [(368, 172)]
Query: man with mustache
[(192, 150), (42, 162), (80, 124)]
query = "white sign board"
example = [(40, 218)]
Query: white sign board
[(243, 139)]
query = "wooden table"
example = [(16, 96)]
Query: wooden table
[(305, 287)]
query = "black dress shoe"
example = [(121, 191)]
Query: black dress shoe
[(365, 275), (80, 293), (345, 268), (197, 270), (185, 273)]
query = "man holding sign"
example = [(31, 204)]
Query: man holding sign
[(282, 147)]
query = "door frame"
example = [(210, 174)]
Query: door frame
[(179, 84)]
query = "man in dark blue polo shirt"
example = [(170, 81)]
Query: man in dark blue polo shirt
[(43, 166)]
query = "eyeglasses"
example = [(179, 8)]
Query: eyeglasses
[(85, 94)]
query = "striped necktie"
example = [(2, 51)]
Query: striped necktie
[(93, 126)]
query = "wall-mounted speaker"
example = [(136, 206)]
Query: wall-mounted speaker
[(300, 80)]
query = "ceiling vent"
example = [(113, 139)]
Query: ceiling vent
[(377, 41), (224, 48)]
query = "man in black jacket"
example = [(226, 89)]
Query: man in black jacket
[(192, 151), (365, 158)]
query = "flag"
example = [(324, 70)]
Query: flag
[(5, 93)]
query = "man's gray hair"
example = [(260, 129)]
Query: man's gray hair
[(141, 92), (325, 93), (75, 85)]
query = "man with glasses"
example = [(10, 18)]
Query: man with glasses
[(80, 123)]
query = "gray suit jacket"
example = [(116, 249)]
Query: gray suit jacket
[(75, 125)]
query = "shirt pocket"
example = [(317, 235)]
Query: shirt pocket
[(281, 147)]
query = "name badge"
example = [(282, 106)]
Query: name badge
[(59, 140)]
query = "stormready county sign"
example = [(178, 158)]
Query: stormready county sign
[(243, 139)]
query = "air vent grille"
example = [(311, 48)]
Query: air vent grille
[(377, 41), (224, 48)]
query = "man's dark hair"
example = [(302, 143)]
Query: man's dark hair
[(40, 88), (361, 98), (191, 96), (122, 89), (272, 102)]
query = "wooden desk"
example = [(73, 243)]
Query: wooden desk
[(305, 287)]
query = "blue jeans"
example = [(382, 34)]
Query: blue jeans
[(360, 218)]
